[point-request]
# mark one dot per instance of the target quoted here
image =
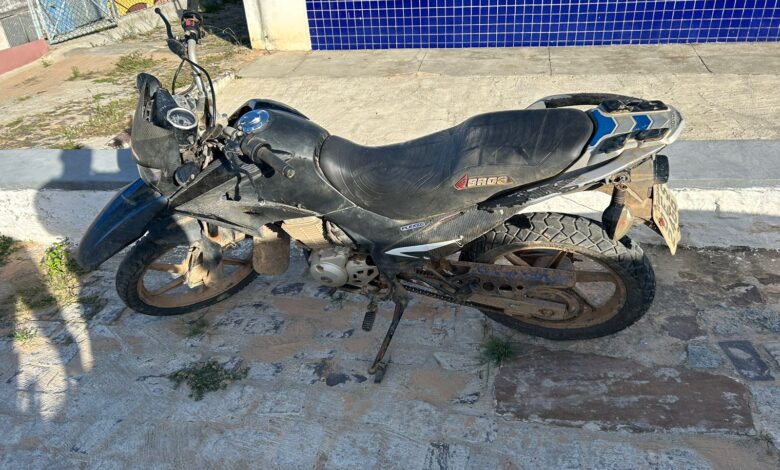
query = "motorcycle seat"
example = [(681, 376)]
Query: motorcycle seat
[(457, 167)]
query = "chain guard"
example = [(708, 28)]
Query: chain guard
[(520, 291)]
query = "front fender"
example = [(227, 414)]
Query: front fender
[(123, 221)]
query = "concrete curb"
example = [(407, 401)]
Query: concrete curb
[(728, 192)]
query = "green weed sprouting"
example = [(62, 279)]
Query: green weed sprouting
[(206, 377), (496, 351), (7, 246)]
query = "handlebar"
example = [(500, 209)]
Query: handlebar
[(257, 149), (191, 22)]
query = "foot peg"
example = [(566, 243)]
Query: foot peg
[(368, 319)]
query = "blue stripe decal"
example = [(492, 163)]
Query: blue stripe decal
[(642, 122), (604, 126)]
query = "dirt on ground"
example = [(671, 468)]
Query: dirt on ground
[(81, 95), (275, 377)]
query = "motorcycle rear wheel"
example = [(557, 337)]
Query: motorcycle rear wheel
[(560, 241), (152, 278)]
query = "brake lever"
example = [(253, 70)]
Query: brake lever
[(168, 27)]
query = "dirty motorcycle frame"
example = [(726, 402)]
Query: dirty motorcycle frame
[(260, 177)]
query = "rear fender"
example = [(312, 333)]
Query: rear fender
[(647, 201), (124, 220)]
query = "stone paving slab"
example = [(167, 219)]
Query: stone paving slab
[(677, 59), (774, 350), (103, 400), (746, 360), (574, 389), (739, 59)]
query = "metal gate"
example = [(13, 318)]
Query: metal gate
[(67, 19)]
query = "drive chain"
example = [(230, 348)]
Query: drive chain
[(450, 299)]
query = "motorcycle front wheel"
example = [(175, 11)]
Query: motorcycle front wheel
[(163, 279), (615, 281)]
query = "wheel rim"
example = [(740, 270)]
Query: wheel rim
[(598, 295), (175, 279)]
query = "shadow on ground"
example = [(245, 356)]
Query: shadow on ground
[(308, 402)]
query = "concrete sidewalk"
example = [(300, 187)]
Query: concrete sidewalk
[(714, 58), (724, 91)]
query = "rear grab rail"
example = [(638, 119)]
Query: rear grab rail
[(579, 99)]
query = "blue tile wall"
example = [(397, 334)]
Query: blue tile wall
[(494, 23)]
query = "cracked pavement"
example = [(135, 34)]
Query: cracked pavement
[(691, 385)]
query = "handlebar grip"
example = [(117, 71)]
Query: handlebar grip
[(168, 28), (257, 149)]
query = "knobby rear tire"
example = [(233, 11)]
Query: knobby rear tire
[(581, 235)]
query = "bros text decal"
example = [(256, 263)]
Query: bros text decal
[(413, 226), (467, 182)]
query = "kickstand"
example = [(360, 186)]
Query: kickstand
[(401, 299)]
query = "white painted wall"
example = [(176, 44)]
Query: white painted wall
[(48, 215), (720, 217), (278, 25), (3, 40), (709, 217)]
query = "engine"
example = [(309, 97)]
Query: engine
[(337, 266), (333, 260)]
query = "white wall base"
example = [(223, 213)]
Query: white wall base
[(709, 217), (47, 215), (278, 25)]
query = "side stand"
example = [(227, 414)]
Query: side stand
[(401, 298)]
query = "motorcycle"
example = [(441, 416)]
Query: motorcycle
[(221, 199)]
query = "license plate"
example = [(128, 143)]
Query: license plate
[(665, 215)]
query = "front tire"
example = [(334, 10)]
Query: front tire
[(148, 256), (534, 238)]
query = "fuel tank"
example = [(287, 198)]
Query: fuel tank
[(283, 127), (296, 139), (269, 196)]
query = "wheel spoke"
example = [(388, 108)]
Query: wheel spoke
[(516, 260), (588, 301), (556, 259), (594, 276), (167, 283), (167, 268), (168, 287)]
